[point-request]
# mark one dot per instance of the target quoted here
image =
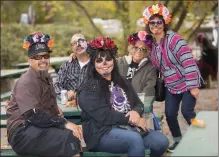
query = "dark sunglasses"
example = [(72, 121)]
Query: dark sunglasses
[(141, 49), (100, 60), (39, 57), (156, 22)]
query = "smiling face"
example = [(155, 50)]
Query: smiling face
[(156, 26), (40, 61), (139, 51), (104, 65)]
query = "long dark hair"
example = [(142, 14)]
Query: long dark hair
[(166, 26), (115, 75)]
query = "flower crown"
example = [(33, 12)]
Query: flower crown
[(102, 43), (37, 37), (157, 9), (140, 36)]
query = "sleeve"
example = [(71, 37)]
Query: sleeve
[(60, 82), (42, 119), (97, 108), (29, 98), (138, 106), (151, 76), (183, 54)]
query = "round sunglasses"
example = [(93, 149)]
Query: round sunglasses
[(153, 23)]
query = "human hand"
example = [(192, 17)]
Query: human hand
[(142, 124), (133, 117), (71, 94), (76, 130), (71, 103), (7, 103), (194, 92), (60, 114), (72, 56)]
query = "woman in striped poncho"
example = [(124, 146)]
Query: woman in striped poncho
[(179, 70)]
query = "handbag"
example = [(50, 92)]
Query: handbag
[(135, 129), (159, 87), (157, 126)]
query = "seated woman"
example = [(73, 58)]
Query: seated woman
[(111, 109), (137, 67)]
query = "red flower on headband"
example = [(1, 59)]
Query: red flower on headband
[(102, 43)]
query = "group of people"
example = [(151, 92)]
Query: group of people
[(106, 89)]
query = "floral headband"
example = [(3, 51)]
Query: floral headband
[(37, 37), (157, 9), (140, 36), (103, 43)]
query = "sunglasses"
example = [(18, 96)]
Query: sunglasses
[(141, 49), (156, 22), (100, 60), (39, 57)]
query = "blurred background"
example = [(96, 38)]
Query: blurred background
[(116, 19)]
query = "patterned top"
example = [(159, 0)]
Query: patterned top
[(133, 67), (178, 66), (70, 76), (118, 99)]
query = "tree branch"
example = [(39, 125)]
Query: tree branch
[(88, 16), (166, 3), (201, 21), (181, 19)]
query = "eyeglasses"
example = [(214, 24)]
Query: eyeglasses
[(156, 22), (39, 57), (100, 60), (78, 42), (141, 49)]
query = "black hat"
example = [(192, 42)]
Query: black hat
[(37, 42)]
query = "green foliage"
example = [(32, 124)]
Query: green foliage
[(12, 36)]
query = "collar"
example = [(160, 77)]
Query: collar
[(129, 60)]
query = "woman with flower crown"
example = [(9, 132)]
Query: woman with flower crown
[(172, 56), (137, 67), (111, 109)]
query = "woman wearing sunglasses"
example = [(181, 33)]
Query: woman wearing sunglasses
[(136, 67), (111, 109), (181, 74)]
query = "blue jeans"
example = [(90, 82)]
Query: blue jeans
[(172, 102), (130, 142)]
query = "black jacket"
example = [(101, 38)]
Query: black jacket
[(97, 115)]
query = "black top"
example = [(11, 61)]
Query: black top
[(97, 115), (131, 70)]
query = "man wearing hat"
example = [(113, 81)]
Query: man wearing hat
[(35, 124), (73, 72)]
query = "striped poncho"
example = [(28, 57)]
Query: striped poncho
[(178, 66)]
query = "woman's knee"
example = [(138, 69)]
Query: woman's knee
[(157, 142)]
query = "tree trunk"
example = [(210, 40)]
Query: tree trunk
[(123, 11), (201, 21), (88, 16), (181, 19)]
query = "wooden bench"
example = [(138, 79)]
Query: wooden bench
[(6, 96), (9, 152), (200, 141)]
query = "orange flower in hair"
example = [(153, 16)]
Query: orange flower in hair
[(50, 43), (26, 45)]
